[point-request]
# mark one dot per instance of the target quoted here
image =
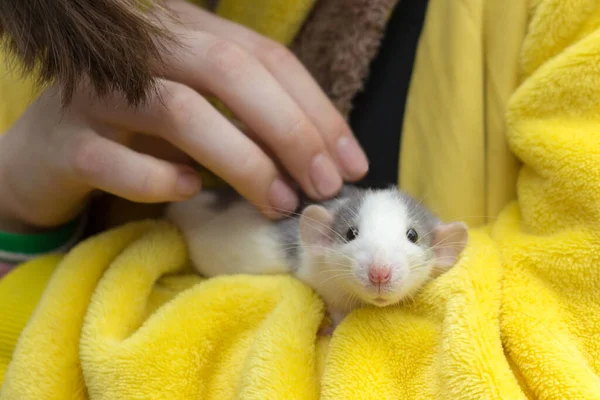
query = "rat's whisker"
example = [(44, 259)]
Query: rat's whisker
[(299, 215), (330, 270), (350, 300), (417, 204), (337, 252), (346, 207), (445, 245), (292, 215), (313, 246), (335, 278), (419, 267)]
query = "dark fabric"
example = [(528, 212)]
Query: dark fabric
[(378, 111)]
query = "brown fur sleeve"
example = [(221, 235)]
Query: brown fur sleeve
[(339, 41), (111, 44)]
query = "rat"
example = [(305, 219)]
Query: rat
[(363, 247)]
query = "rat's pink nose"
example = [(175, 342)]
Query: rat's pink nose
[(379, 274)]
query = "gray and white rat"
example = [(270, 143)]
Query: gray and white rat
[(365, 246)]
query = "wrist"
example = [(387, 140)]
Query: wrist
[(21, 240), (12, 225), (16, 219), (9, 217), (28, 204), (13, 219)]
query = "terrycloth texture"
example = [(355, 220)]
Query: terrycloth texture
[(338, 42), (454, 153), (518, 318), (109, 328), (20, 291)]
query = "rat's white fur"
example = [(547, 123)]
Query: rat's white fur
[(238, 241)]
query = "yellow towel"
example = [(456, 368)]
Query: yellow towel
[(518, 318), (118, 322)]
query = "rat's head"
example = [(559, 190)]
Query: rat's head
[(381, 245)]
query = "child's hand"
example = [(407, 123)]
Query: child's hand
[(50, 162)]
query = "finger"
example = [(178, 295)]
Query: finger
[(160, 148), (294, 78), (113, 168), (183, 117), (250, 91)]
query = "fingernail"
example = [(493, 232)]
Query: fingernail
[(353, 159), (325, 176), (282, 198), (188, 184)]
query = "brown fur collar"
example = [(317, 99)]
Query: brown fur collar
[(338, 42)]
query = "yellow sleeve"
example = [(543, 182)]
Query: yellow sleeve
[(279, 20), (16, 92), (454, 151), (20, 292)]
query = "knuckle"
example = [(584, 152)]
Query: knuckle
[(249, 166), (228, 58), (86, 160), (147, 187), (273, 54), (297, 133), (336, 129), (180, 105)]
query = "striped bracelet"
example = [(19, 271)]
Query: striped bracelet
[(16, 248)]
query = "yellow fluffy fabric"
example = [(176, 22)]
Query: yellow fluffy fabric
[(455, 153), (120, 319), (518, 318)]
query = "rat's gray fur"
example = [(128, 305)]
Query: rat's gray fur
[(422, 220), (345, 208)]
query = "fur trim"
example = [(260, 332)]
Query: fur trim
[(338, 43)]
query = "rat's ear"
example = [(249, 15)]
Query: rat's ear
[(315, 228), (448, 241)]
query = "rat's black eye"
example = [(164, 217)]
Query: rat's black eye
[(412, 235), (351, 234)]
